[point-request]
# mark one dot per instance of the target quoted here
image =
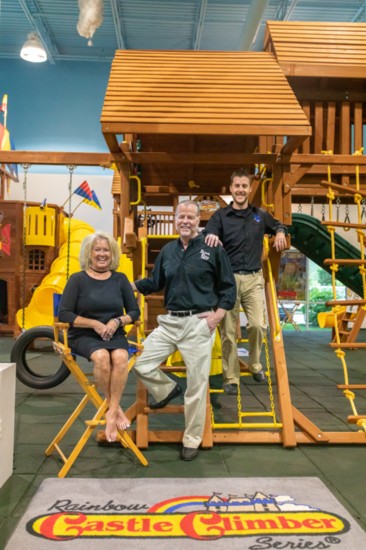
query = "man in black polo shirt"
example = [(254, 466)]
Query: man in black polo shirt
[(241, 228), (199, 288)]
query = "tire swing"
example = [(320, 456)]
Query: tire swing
[(33, 353), (37, 365)]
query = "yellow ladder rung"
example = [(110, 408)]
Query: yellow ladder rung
[(257, 414), (95, 423), (246, 425), (60, 453)]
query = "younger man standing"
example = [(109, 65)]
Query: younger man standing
[(241, 227)]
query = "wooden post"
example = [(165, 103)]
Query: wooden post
[(284, 398)]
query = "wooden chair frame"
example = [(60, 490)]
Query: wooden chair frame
[(289, 312)]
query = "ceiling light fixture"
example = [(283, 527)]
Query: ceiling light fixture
[(33, 49)]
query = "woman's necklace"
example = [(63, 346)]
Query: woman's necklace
[(97, 270)]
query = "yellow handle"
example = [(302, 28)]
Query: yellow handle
[(263, 193), (138, 190)]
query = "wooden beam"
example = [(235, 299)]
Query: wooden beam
[(57, 158), (224, 128), (325, 159), (279, 357), (305, 425), (188, 158), (331, 126), (318, 127), (346, 190), (292, 144), (111, 141), (290, 179), (238, 159)]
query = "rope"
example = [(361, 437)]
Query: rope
[(334, 268)]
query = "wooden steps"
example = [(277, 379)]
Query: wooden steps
[(342, 261), (354, 419), (349, 345), (351, 386), (345, 302), (331, 223)]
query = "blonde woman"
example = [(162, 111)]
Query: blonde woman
[(98, 303)]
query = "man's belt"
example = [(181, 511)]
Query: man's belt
[(188, 312), (247, 272)]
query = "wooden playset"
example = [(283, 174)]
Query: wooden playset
[(295, 113)]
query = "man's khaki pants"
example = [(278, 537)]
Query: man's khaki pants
[(192, 337), (249, 294)]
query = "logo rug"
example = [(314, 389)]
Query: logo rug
[(246, 513)]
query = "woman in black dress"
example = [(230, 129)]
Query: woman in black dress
[(97, 303)]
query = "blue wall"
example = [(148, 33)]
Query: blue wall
[(55, 107)]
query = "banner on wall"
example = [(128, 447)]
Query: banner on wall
[(291, 283)]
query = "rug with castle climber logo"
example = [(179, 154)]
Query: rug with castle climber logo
[(227, 513)]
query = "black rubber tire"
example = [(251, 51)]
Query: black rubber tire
[(24, 371)]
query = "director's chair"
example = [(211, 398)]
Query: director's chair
[(288, 304), (92, 396)]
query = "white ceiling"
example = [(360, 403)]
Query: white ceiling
[(158, 24)]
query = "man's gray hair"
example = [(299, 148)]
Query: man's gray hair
[(187, 203)]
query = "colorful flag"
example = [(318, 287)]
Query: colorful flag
[(4, 105), (96, 200), (94, 203), (84, 191), (7, 144)]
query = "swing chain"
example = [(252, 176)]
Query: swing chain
[(312, 200), (323, 212), (270, 387), (338, 204), (363, 212), (71, 169), (24, 248), (346, 218), (299, 208)]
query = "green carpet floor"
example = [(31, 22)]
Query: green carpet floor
[(313, 372)]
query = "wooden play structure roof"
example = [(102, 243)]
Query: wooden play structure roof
[(195, 92), (318, 49)]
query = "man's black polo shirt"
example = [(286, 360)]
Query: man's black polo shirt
[(241, 233), (196, 278)]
